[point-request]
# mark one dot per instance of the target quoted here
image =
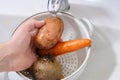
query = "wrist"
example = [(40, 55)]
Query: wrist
[(4, 62), (11, 50), (5, 57)]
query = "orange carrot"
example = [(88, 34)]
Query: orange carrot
[(65, 47)]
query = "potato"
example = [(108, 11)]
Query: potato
[(50, 33), (47, 69)]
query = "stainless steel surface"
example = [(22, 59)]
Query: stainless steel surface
[(55, 6)]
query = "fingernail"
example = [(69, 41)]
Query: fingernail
[(34, 31), (42, 21)]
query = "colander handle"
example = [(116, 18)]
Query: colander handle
[(88, 25)]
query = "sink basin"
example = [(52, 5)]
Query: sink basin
[(104, 61), (8, 24)]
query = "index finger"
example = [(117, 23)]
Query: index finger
[(32, 24)]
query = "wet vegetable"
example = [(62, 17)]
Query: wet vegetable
[(65, 47), (47, 68), (50, 33)]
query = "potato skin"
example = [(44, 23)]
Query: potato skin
[(50, 33), (47, 69)]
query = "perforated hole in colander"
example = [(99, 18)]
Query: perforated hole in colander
[(69, 63)]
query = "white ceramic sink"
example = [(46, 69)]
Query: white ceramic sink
[(8, 25), (104, 61)]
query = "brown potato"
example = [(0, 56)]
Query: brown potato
[(47, 69), (50, 33)]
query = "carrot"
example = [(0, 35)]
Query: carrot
[(65, 47)]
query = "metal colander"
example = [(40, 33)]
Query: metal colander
[(73, 63)]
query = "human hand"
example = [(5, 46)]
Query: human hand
[(22, 47)]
